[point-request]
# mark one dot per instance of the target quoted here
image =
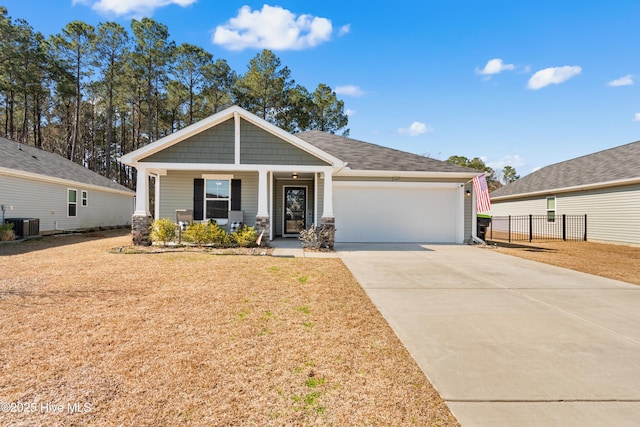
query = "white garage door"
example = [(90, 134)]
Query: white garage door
[(396, 212)]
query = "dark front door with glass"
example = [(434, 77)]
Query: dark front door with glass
[(295, 209)]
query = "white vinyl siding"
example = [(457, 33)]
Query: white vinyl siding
[(613, 214), (47, 201)]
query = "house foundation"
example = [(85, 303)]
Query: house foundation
[(141, 229)]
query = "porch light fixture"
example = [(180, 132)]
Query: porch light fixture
[(468, 193), (295, 175)]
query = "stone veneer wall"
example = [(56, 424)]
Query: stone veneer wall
[(329, 223), (140, 229)]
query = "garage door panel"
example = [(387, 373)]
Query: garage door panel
[(395, 214)]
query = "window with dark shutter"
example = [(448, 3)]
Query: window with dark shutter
[(198, 199), (236, 194)]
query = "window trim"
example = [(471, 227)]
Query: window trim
[(70, 203), (84, 198), (551, 213), (209, 177)]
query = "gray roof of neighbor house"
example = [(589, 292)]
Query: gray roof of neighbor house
[(371, 157), (26, 158), (615, 164)]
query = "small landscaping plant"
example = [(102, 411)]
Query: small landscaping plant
[(6, 232), (319, 238), (245, 237), (163, 230), (206, 234), (196, 233)]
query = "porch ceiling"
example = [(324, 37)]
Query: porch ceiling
[(289, 175)]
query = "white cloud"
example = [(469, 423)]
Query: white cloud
[(131, 7), (552, 75), (345, 29), (349, 90), (622, 81), (495, 66), (636, 118), (349, 112), (513, 160), (272, 27), (415, 129)]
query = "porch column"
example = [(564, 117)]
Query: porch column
[(328, 221), (142, 191), (263, 221), (141, 219), (327, 211)]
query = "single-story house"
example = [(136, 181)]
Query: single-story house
[(605, 186), (61, 194), (281, 183)]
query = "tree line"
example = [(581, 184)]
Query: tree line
[(495, 179), (92, 94)]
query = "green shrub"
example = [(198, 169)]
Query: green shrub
[(196, 233), (245, 237), (163, 230), (6, 232), (217, 235), (206, 234)]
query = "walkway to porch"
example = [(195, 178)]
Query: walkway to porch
[(292, 248)]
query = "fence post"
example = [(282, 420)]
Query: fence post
[(509, 229), (585, 227), (564, 227), (530, 228)]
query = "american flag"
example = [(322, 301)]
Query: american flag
[(483, 203)]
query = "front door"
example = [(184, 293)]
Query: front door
[(295, 209)]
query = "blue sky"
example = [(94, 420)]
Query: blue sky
[(520, 83)]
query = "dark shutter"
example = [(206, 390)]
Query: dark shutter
[(198, 199), (236, 195)]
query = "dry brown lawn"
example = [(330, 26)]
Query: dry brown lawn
[(617, 262), (90, 337)]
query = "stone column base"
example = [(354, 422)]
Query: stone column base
[(329, 224), (140, 229), (263, 225)]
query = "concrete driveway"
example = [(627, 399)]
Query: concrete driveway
[(506, 341)]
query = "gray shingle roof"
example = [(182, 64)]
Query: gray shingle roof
[(619, 163), (26, 158), (366, 156)]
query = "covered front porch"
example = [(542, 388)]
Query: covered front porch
[(279, 201)]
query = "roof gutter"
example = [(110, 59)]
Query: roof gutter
[(403, 174), (62, 181)]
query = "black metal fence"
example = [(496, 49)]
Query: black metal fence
[(538, 227)]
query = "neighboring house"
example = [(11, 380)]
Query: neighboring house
[(605, 186), (62, 194), (283, 183)]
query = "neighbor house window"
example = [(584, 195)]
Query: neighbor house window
[(217, 198), (72, 202), (551, 209), (85, 198)]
